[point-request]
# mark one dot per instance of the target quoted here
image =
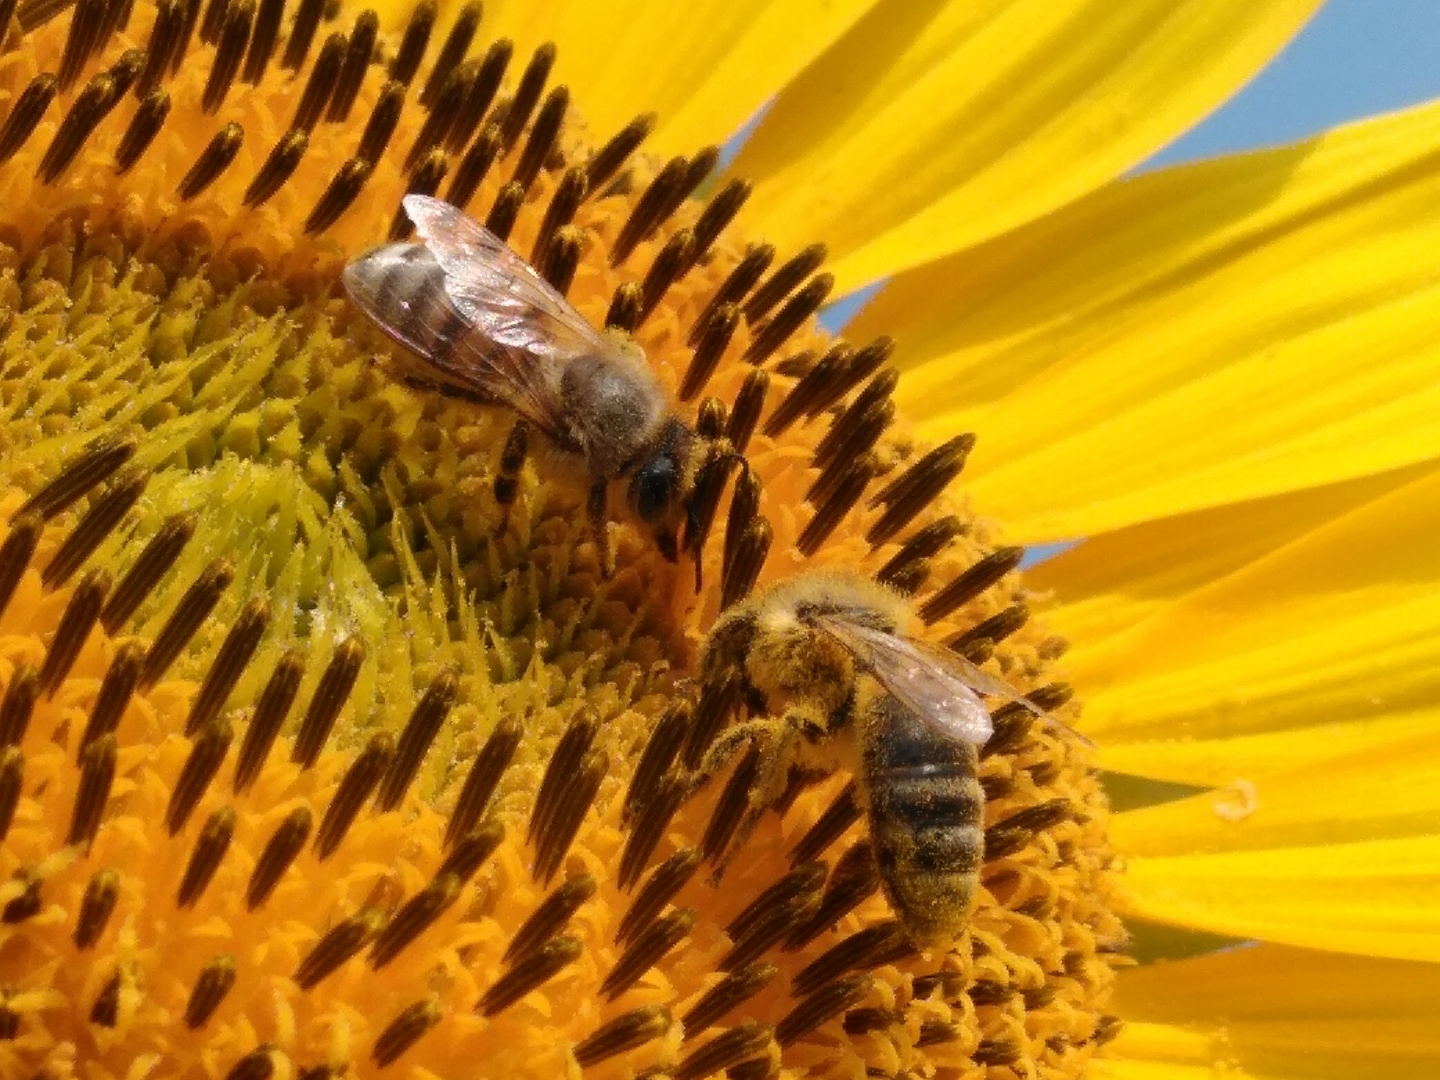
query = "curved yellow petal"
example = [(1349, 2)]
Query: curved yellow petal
[(1341, 625), (1376, 898), (931, 127), (1111, 582), (1276, 1013), (1390, 791), (1190, 338), (704, 68)]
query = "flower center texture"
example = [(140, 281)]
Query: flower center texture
[(316, 760)]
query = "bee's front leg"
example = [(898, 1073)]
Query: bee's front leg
[(507, 480), (595, 510)]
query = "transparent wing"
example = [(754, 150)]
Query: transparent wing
[(496, 290), (921, 679)]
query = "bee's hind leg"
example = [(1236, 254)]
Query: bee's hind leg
[(507, 480)]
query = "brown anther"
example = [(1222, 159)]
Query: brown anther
[(411, 51), (97, 904), (718, 213), (569, 194), (749, 561), (852, 436), (216, 978), (799, 308), (206, 754), (471, 850), (205, 858), (83, 39), (353, 792), (646, 951), (667, 879), (805, 878), (18, 704), (719, 698), (106, 1008), (303, 33), (733, 289), (853, 879), (606, 161), (473, 166), (527, 94), (1014, 832), (505, 210), (229, 52), (142, 577), (26, 113), (259, 1064), (76, 622), (550, 916), (485, 773), (144, 126), (340, 943), (12, 777), (993, 630), (127, 69), (730, 807), (625, 1032), (97, 774), (649, 826), (533, 971), (331, 693), (358, 51), (909, 578), (725, 1051), (838, 816), (565, 761), (197, 603), (649, 210), (575, 798), (16, 552), (711, 418), (827, 1002), (229, 663), (971, 583), (544, 137), (405, 1031), (657, 757), (811, 390), (877, 391), (625, 308), (100, 459), (187, 31), (270, 712), (431, 135), (997, 1052), (116, 688), (848, 488), (411, 920), (104, 514), (381, 125), (263, 40), (769, 924), (922, 546), (415, 739), (709, 348), (452, 53), (915, 488), (213, 160), (425, 180), (861, 950), (319, 87), (344, 186), (726, 995), (667, 268), (279, 852), (783, 281), (213, 22)]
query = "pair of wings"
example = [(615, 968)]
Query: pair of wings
[(937, 685), (477, 314)]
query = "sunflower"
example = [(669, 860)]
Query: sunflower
[(333, 743)]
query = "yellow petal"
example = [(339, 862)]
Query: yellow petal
[(1111, 582), (1389, 791), (930, 128), (1341, 625), (1191, 338), (704, 67), (1275, 1013), (1377, 898)]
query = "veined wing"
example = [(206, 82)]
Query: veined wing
[(933, 689)]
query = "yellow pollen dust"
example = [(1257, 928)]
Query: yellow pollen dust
[(314, 761)]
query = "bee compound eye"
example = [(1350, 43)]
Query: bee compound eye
[(653, 487)]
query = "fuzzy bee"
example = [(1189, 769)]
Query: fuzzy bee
[(486, 324), (824, 662)]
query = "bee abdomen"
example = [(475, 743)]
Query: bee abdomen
[(926, 826)]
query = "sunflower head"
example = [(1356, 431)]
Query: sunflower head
[(330, 745)]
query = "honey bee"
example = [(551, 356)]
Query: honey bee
[(829, 651), (486, 324)]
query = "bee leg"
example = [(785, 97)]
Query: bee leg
[(777, 743), (600, 525), (507, 481)]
